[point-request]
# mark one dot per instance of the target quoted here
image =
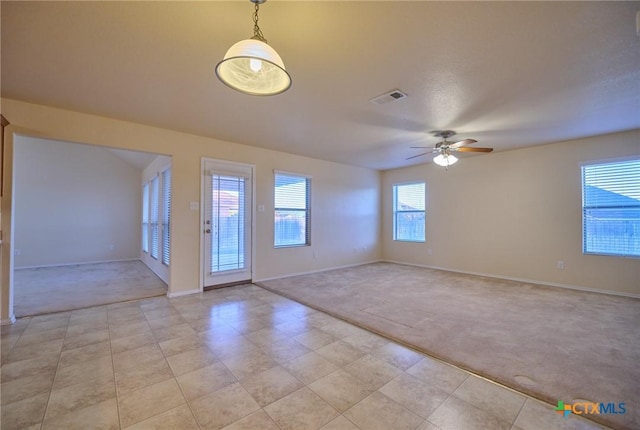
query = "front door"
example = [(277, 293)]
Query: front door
[(227, 222)]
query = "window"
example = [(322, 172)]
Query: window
[(155, 187), (408, 212), (292, 210), (228, 222), (611, 208), (166, 215), (145, 217), (156, 216)]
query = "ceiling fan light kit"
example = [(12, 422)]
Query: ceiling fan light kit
[(253, 67), (445, 160), (444, 149)]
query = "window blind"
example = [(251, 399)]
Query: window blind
[(611, 208), (154, 216), (292, 200), (166, 216), (409, 212), (145, 217)]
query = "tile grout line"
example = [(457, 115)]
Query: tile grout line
[(515, 420), (237, 379), (19, 336), (113, 368), (448, 397), (175, 378), (261, 408), (57, 367)]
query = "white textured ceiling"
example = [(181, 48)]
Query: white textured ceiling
[(509, 74)]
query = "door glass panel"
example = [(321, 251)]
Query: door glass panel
[(227, 223)]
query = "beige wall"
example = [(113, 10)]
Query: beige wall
[(514, 214), (73, 204), (510, 214), (341, 193), (345, 214)]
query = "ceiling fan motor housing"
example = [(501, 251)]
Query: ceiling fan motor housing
[(444, 134)]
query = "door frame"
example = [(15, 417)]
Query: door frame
[(11, 134), (201, 223)]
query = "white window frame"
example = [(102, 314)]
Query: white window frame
[(397, 212), (307, 209), (588, 246)]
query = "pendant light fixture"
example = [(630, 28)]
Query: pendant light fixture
[(253, 67)]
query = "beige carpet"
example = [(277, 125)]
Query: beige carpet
[(551, 343), (62, 288)]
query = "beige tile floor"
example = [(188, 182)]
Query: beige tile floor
[(238, 358)]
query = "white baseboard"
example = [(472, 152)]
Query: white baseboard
[(8, 321), (75, 264), (528, 281), (183, 293), (316, 271)]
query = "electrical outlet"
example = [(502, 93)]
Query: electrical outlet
[(560, 265)]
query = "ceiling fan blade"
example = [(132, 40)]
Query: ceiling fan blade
[(464, 149), (422, 147), (462, 142), (415, 156)]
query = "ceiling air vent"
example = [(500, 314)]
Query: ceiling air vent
[(391, 96)]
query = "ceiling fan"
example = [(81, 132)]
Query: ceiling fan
[(444, 149)]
